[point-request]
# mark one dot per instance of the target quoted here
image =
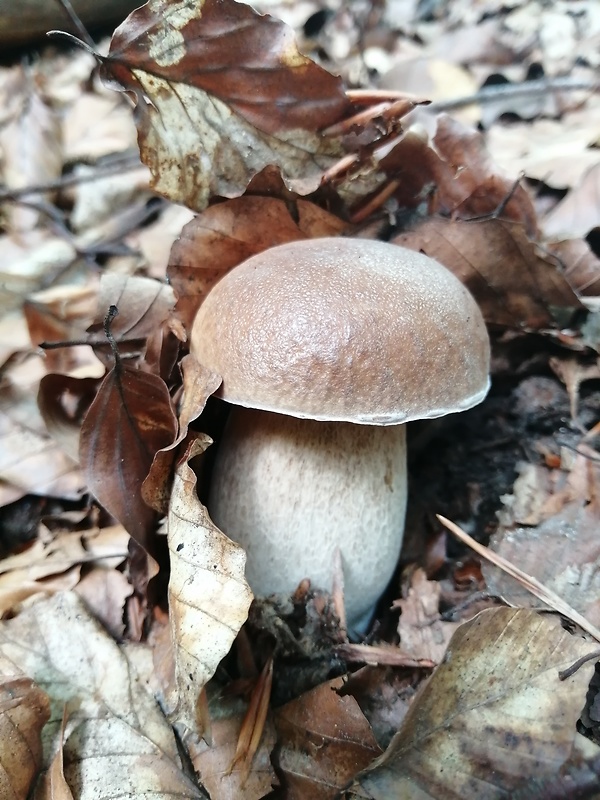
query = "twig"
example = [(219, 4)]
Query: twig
[(527, 581), (129, 160), (489, 94)]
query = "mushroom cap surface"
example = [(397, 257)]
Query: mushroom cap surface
[(343, 329)]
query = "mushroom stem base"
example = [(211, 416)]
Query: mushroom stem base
[(291, 491)]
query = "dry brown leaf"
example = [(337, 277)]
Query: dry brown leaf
[(514, 283), (53, 564), (113, 718), (456, 176), (224, 235), (105, 592), (581, 265), (324, 740), (494, 713), (209, 597), (53, 785), (130, 420), (211, 124), (24, 710), (214, 763), (199, 383), (422, 633)]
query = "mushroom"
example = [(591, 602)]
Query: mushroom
[(327, 347)]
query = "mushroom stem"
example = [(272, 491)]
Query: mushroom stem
[(291, 490)]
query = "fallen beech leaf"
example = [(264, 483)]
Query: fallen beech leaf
[(213, 763), (224, 235), (34, 463), (105, 592), (130, 419), (53, 785), (456, 176), (557, 541), (209, 597), (49, 566), (324, 740), (422, 633), (143, 304), (493, 714), (507, 273), (578, 212), (112, 718), (62, 401), (581, 265), (24, 710), (31, 150), (229, 94), (199, 383)]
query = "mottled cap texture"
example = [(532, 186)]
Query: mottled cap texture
[(344, 329)]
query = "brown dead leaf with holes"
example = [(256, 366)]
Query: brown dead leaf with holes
[(493, 714), (223, 236), (211, 125), (324, 741), (514, 282)]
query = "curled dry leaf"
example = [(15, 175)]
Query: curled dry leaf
[(144, 304), (581, 265), (50, 566), (324, 740), (113, 719), (229, 93), (24, 710), (456, 176), (209, 597), (494, 713), (198, 385), (130, 420), (224, 235), (513, 281)]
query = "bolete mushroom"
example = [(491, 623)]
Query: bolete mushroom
[(327, 347)]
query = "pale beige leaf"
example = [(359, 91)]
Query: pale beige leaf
[(59, 645), (24, 710), (209, 597), (494, 713)]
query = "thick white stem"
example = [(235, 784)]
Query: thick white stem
[(292, 490)]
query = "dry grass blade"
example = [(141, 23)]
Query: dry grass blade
[(530, 583)]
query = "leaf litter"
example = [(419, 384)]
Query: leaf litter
[(338, 143)]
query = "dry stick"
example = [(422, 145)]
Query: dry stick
[(129, 161), (489, 94), (528, 581)]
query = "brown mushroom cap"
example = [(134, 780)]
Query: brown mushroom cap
[(344, 329)]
